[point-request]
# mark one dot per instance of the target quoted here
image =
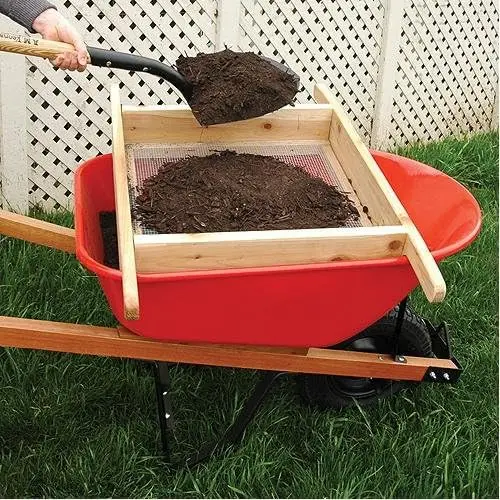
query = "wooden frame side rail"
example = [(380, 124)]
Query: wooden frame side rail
[(374, 190), (118, 342), (124, 228), (177, 125), (206, 251)]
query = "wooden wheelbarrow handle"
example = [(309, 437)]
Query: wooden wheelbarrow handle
[(37, 231), (63, 238)]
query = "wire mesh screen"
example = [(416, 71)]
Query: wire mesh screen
[(145, 161)]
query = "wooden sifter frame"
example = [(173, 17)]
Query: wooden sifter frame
[(391, 232)]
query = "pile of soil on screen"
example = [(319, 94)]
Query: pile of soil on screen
[(228, 191), (230, 86)]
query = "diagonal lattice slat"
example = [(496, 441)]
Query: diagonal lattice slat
[(68, 113), (447, 77), (334, 42)]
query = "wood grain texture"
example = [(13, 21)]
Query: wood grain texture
[(243, 249), (125, 236), (37, 231), (30, 46), (425, 266), (364, 175), (374, 190), (91, 340), (176, 124)]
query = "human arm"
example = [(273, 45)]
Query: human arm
[(40, 16)]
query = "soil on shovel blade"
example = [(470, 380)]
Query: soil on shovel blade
[(230, 86), (228, 191)]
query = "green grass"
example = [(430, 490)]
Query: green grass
[(77, 426)]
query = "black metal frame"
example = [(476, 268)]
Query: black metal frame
[(164, 404), (399, 358), (442, 349), (233, 434)]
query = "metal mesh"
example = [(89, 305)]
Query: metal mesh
[(146, 159)]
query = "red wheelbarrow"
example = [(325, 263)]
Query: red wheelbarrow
[(341, 323)]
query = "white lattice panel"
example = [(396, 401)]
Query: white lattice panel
[(447, 74), (68, 113), (442, 78), (336, 42)]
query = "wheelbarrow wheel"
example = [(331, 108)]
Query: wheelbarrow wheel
[(336, 392)]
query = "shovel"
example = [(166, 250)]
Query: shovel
[(47, 49)]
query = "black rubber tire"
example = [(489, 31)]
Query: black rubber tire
[(336, 392)]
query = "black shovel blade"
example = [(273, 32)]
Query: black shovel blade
[(249, 99)]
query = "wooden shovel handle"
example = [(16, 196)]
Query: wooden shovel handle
[(28, 46), (37, 231), (103, 58)]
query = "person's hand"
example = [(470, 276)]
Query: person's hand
[(52, 25)]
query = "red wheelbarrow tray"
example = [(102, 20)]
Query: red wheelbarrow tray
[(271, 318), (313, 305)]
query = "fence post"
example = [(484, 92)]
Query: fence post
[(389, 54), (13, 136), (228, 24)]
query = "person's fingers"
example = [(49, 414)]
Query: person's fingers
[(68, 60), (63, 31), (81, 51), (69, 34), (72, 61), (65, 62), (57, 61)]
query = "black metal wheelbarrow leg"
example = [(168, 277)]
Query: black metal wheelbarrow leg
[(165, 418), (233, 433)]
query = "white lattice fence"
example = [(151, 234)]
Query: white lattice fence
[(69, 112), (447, 75), (333, 42), (404, 70)]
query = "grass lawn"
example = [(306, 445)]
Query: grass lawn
[(77, 426)]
